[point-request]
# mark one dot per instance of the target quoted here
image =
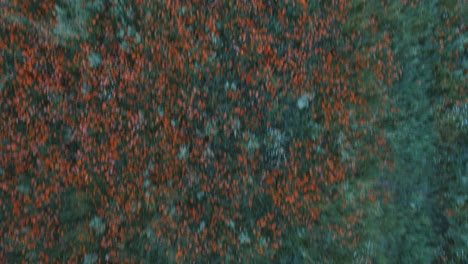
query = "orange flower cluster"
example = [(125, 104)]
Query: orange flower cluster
[(168, 133)]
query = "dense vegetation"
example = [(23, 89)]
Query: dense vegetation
[(234, 131)]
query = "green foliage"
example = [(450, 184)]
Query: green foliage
[(453, 125), (73, 18)]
